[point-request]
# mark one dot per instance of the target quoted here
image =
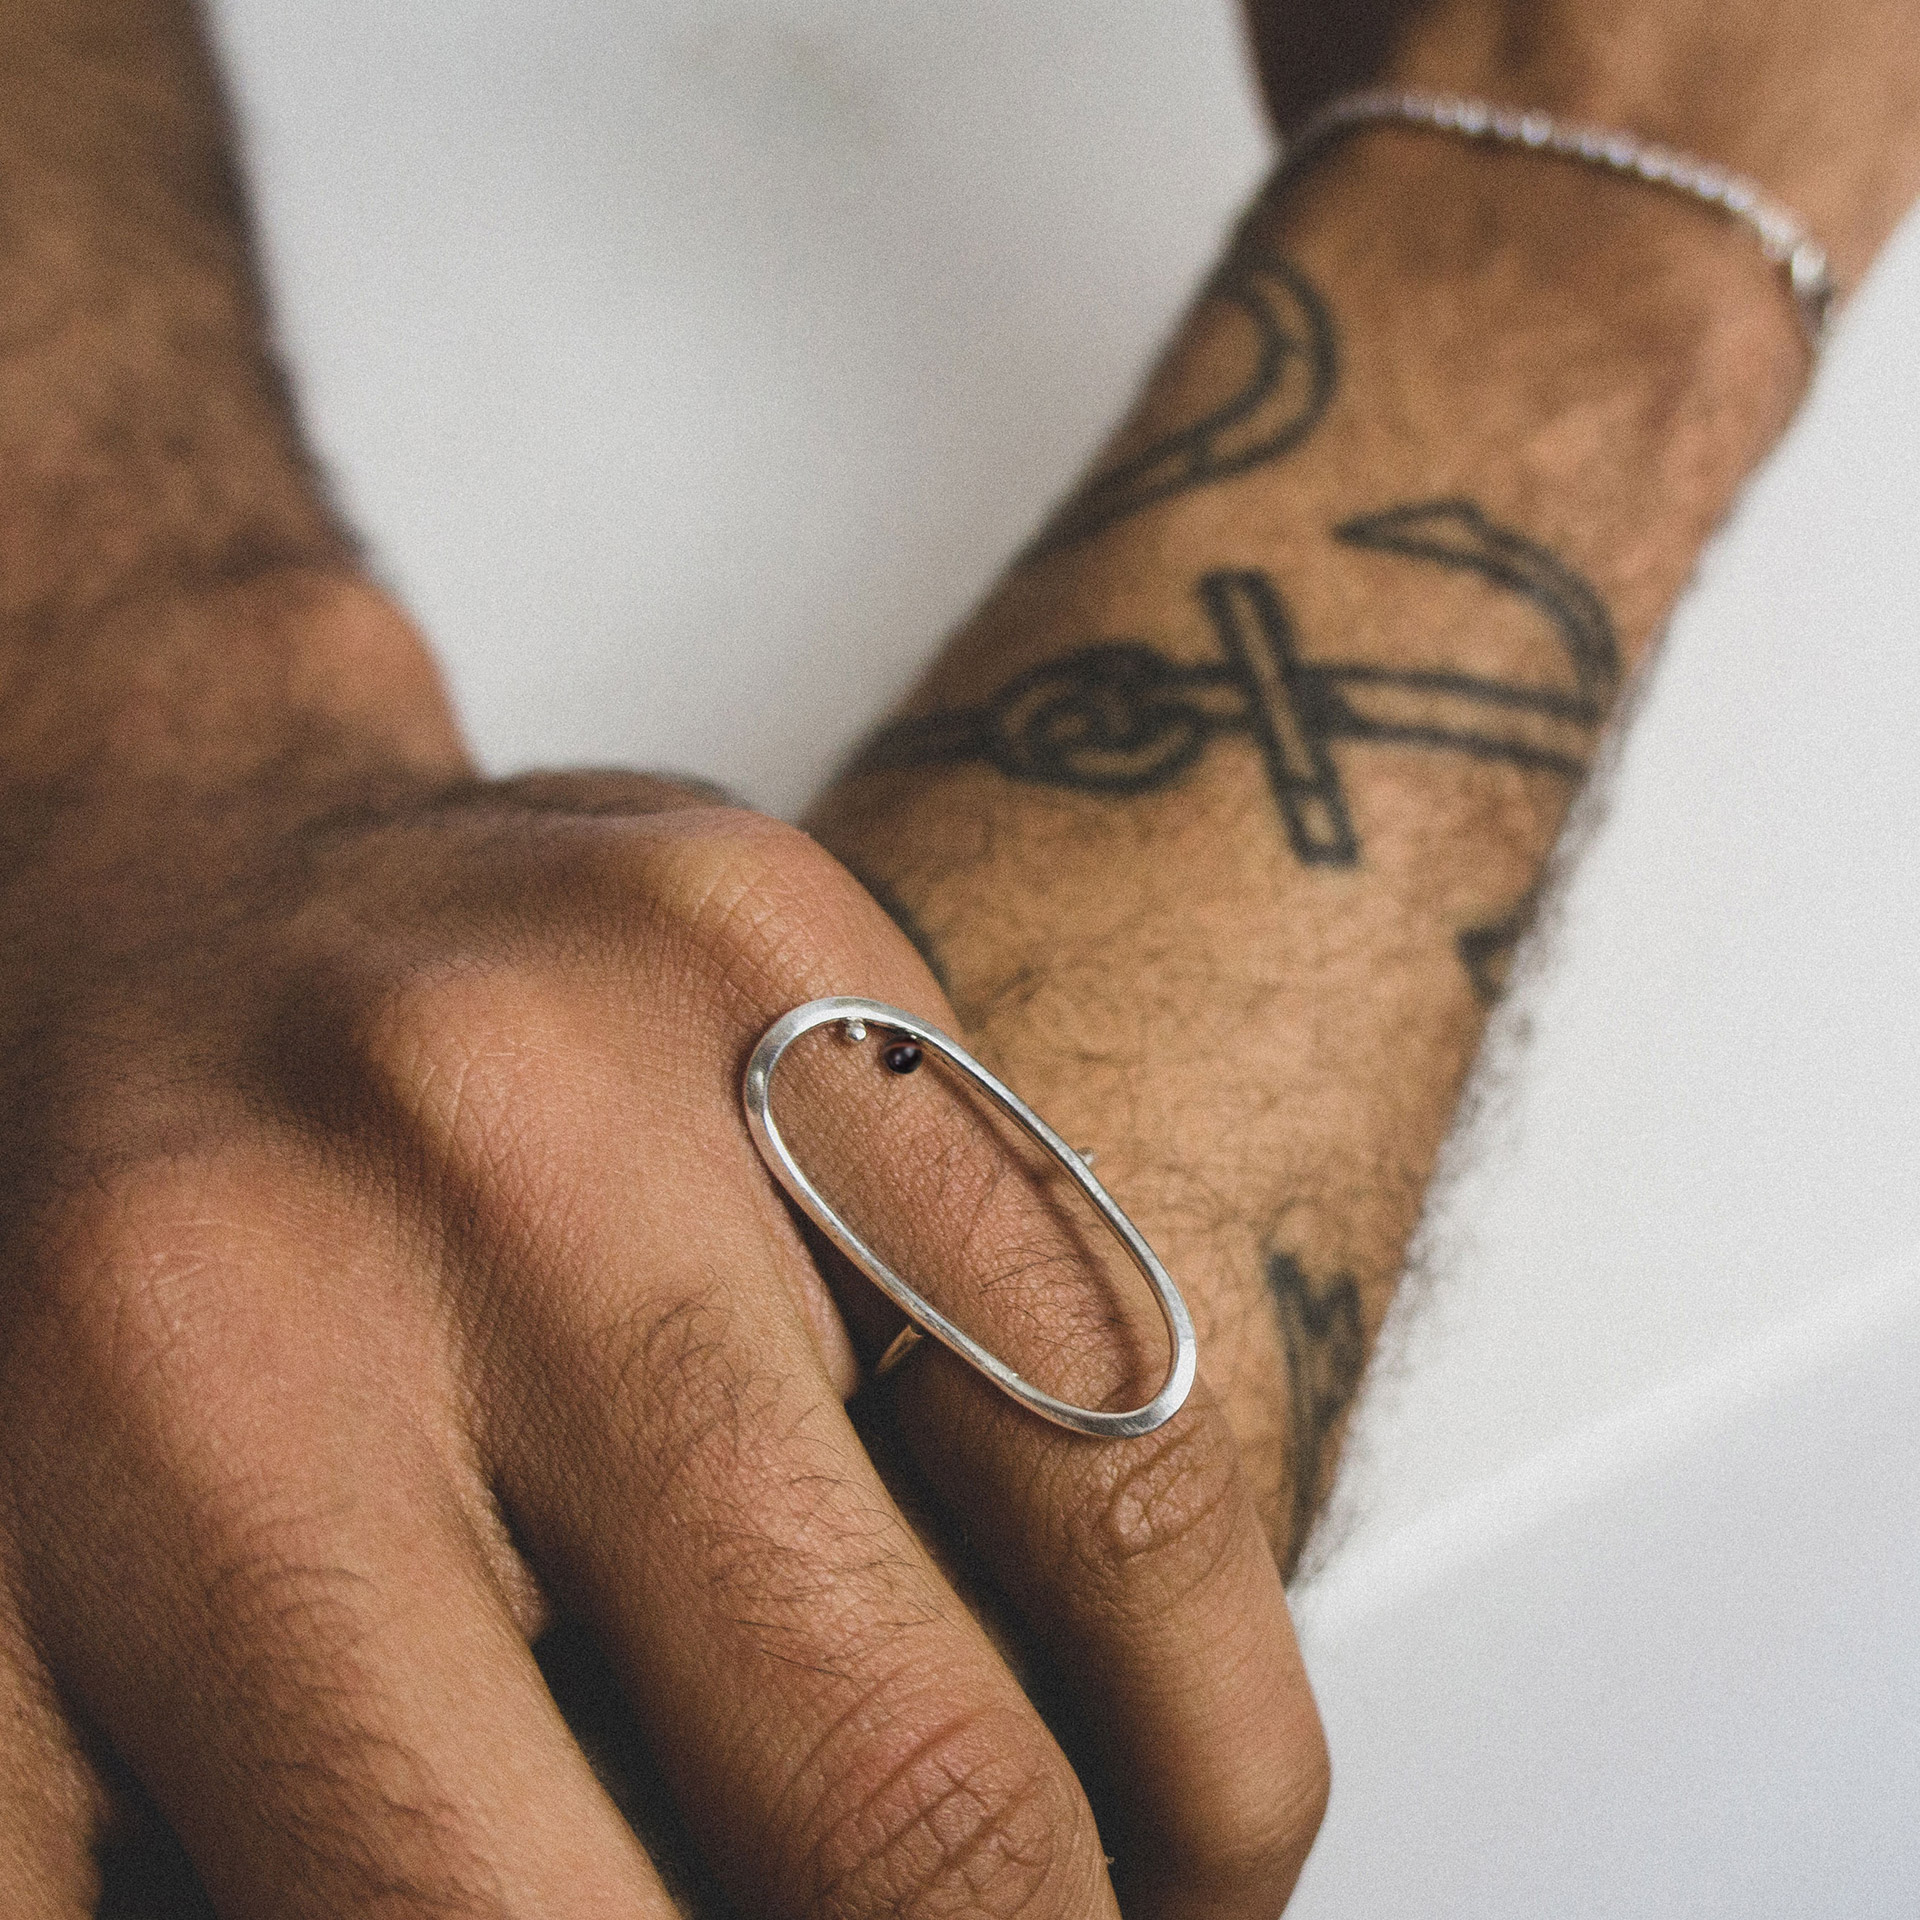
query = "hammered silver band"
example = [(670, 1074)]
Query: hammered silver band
[(1784, 238)]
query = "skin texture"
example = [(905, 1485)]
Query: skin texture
[(387, 1283), (1264, 744)]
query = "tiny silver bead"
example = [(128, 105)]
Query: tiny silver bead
[(1807, 267)]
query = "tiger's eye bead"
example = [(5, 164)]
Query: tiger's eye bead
[(902, 1057)]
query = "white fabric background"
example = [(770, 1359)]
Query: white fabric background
[(692, 364)]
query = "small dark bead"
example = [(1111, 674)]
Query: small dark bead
[(902, 1057)]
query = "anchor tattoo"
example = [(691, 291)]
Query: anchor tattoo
[(1119, 717)]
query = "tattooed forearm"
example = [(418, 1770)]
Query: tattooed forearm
[(1120, 717), (1258, 754), (1294, 367), (1326, 1349)]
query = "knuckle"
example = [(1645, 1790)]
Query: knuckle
[(724, 917), (1245, 1850), (766, 915), (445, 1046), (137, 1268), (488, 1085), (1263, 1841), (1171, 1508), (1305, 1807), (967, 1820)]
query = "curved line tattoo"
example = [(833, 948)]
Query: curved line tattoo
[(1455, 533), (1326, 1347), (1294, 374), (1115, 718), (1119, 717), (904, 917), (1487, 950)]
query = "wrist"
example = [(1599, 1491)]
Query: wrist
[(182, 619), (171, 734), (1814, 108), (1595, 358)]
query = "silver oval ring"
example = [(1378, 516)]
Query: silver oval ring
[(757, 1094)]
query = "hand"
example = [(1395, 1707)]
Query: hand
[(386, 1263)]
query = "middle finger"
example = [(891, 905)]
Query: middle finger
[(1138, 1564)]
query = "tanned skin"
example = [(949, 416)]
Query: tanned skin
[(1224, 814), (385, 1267), (385, 1271)]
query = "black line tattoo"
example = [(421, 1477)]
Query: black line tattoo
[(1291, 716), (904, 917), (1455, 533), (1325, 1341), (1293, 377), (1119, 717), (1487, 951)]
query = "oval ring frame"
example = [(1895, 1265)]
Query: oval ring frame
[(757, 1096)]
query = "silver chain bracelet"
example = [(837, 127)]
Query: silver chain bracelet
[(1782, 235)]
